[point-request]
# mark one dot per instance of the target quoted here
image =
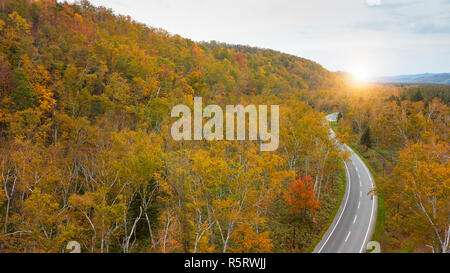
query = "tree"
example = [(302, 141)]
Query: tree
[(419, 189), (366, 138), (417, 96), (248, 241), (23, 96), (300, 197), (85, 147)]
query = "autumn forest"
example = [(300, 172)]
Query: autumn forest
[(86, 152)]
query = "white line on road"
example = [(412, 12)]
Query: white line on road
[(343, 209), (359, 203), (354, 220), (348, 236), (373, 203), (360, 193)]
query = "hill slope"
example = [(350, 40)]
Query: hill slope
[(86, 151), (67, 42)]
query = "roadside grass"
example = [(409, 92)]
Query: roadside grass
[(388, 241), (333, 125), (380, 225), (342, 185), (381, 218)]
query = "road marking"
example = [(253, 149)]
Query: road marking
[(354, 220), (359, 203), (365, 167), (370, 224), (373, 199), (349, 183), (360, 184), (373, 204), (359, 176), (360, 193), (348, 236)]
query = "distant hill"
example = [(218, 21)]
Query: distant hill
[(440, 78)]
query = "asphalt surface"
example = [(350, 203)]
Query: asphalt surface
[(354, 222)]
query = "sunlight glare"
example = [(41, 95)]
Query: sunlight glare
[(361, 72)]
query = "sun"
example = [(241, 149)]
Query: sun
[(361, 72)]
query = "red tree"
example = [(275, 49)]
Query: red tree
[(300, 196)]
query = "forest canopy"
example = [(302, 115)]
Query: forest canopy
[(86, 152)]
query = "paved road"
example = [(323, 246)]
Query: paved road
[(354, 223)]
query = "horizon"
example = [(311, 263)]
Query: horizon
[(367, 38)]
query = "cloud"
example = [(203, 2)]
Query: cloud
[(373, 2), (397, 4), (371, 25), (432, 27)]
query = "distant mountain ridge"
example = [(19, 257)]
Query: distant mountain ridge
[(436, 78)]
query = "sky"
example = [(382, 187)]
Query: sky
[(369, 38)]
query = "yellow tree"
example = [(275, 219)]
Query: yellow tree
[(419, 189)]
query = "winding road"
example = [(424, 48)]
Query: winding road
[(354, 223)]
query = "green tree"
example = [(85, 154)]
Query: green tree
[(22, 96), (366, 138)]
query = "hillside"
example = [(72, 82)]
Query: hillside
[(86, 152), (94, 46)]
